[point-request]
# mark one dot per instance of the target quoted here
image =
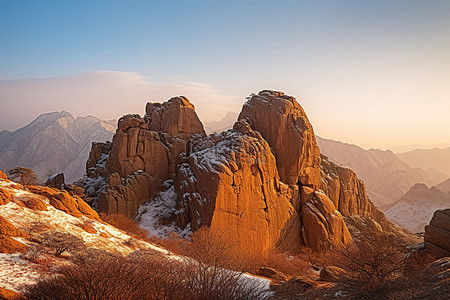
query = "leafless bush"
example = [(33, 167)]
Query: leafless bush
[(61, 242), (34, 252), (372, 266), (213, 269), (125, 224)]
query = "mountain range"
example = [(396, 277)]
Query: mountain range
[(386, 175), (52, 143)]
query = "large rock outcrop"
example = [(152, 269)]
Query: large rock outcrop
[(263, 183), (231, 182), (437, 234), (150, 146), (283, 123)]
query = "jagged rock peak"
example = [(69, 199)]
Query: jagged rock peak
[(176, 117), (283, 123)]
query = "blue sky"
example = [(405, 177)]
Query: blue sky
[(366, 72)]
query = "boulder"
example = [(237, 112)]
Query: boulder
[(283, 123), (176, 118), (331, 273), (10, 245), (56, 181), (62, 200), (322, 225), (3, 176), (9, 294), (5, 196), (272, 273), (437, 235), (8, 229)]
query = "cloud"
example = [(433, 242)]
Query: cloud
[(104, 94)]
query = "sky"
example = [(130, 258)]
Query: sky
[(372, 73)]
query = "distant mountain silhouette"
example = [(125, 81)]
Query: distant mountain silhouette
[(54, 142), (428, 158), (415, 209), (222, 125), (387, 177)]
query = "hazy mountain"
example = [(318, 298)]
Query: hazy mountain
[(415, 209), (222, 125), (444, 186), (54, 142), (427, 158), (386, 176)]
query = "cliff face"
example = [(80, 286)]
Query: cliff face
[(263, 182), (145, 152), (437, 234)]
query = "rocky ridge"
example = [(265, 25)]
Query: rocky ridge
[(263, 182), (52, 143), (416, 208)]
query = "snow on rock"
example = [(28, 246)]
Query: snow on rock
[(16, 272), (157, 215)]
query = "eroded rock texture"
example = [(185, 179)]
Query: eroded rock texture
[(283, 123), (144, 153), (263, 183), (437, 234)]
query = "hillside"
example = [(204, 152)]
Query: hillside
[(436, 158), (41, 236), (52, 143), (386, 176), (415, 209)]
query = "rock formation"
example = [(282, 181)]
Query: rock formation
[(348, 193), (263, 183), (437, 234), (56, 181), (144, 153), (284, 125)]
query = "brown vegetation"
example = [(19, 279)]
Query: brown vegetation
[(123, 223), (24, 176)]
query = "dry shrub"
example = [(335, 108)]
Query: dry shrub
[(144, 274), (173, 244), (123, 223), (62, 242)]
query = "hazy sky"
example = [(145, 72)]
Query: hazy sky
[(373, 73)]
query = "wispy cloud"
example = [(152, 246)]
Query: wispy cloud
[(105, 94)]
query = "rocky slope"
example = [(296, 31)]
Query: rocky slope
[(35, 221), (52, 143), (387, 177), (263, 182), (415, 209)]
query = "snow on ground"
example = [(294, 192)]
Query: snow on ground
[(413, 215), (162, 207), (16, 272)]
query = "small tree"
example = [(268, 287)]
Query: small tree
[(22, 175), (62, 242)]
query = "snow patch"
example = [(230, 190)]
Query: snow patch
[(156, 216)]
